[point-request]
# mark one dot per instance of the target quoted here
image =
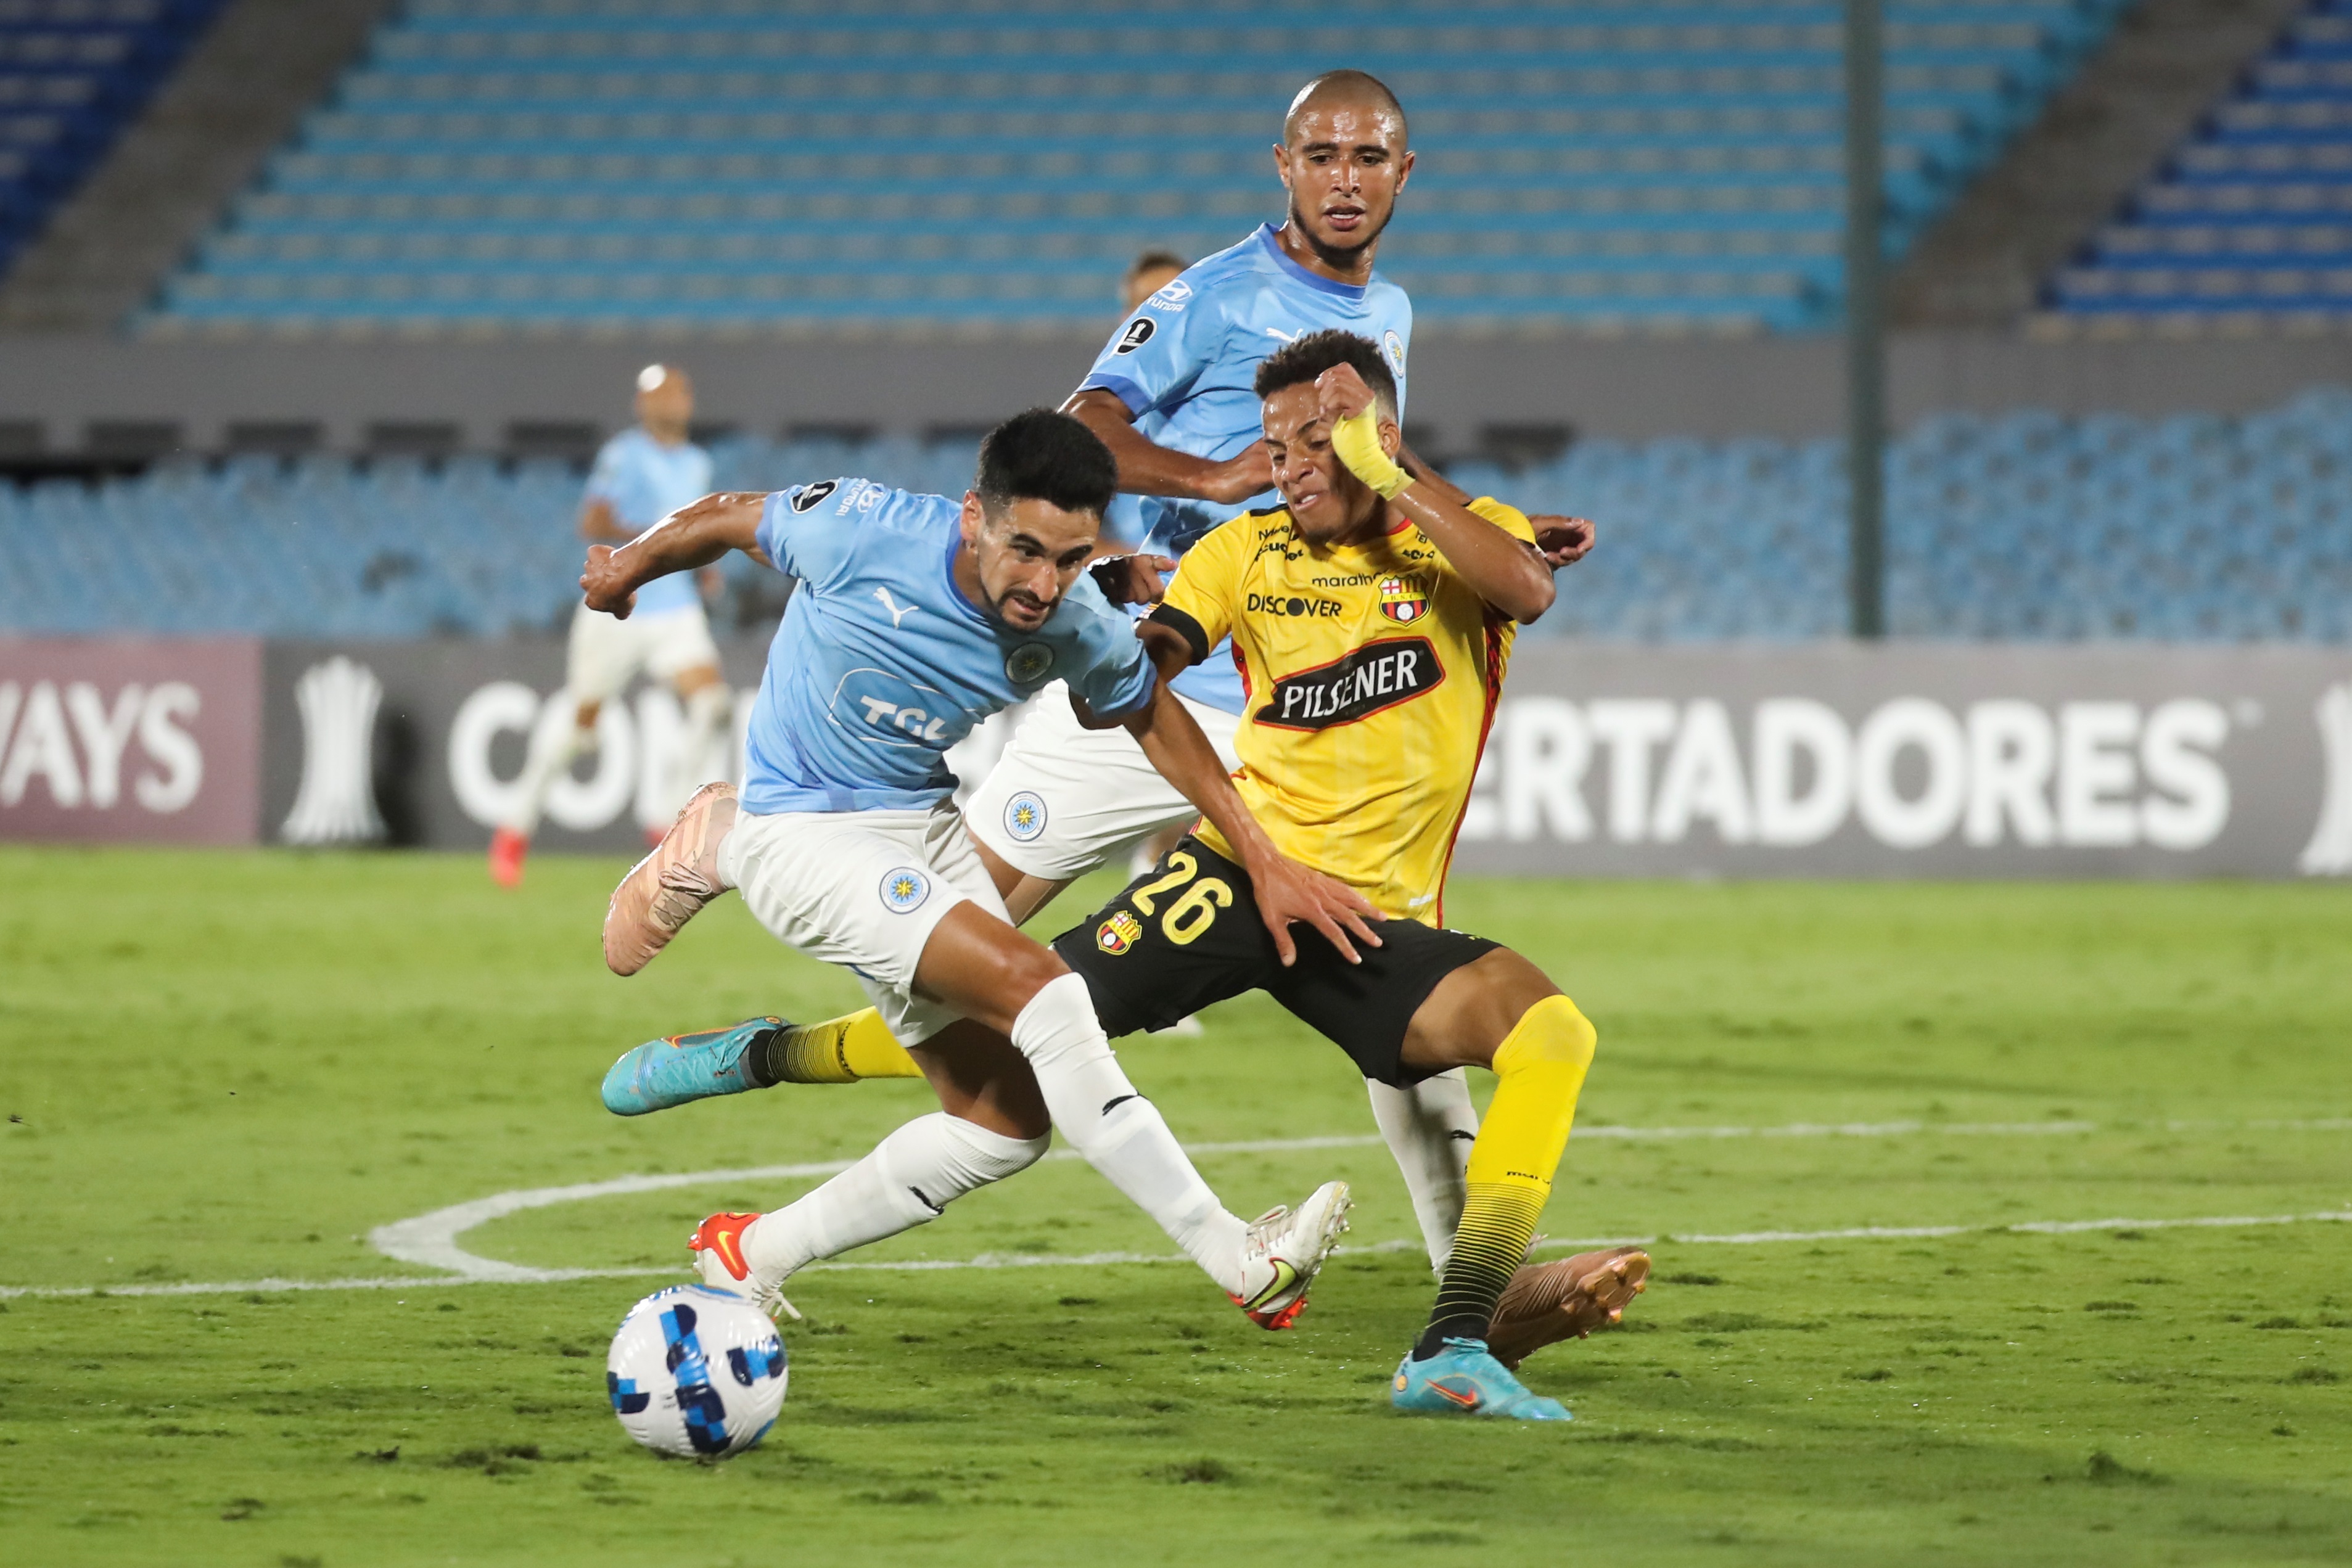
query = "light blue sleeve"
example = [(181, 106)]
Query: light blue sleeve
[(1157, 354), (803, 535), (1121, 678)]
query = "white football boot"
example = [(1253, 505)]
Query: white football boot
[(1282, 1251)]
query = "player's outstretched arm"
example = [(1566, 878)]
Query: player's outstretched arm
[(1145, 469), (695, 535), (1503, 571), (1287, 892)]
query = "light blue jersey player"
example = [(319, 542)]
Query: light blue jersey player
[(916, 617), (640, 477), (882, 663)]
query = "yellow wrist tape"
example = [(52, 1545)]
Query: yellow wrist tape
[(1357, 440)]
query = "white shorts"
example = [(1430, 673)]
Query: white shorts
[(605, 655), (864, 890), (1064, 799)]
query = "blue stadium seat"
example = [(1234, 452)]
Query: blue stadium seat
[(2027, 526), (72, 74), (2250, 218), (596, 163)]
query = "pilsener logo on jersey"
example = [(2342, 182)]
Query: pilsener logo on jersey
[(1375, 676)]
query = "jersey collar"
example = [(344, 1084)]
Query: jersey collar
[(955, 588), (1315, 280)]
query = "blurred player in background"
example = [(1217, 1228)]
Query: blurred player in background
[(641, 475), (1146, 276)]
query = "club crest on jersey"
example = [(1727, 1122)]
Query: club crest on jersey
[(1119, 933), (1027, 664), (1138, 333), (1395, 347), (1401, 600), (1375, 676), (1024, 816), (904, 890)]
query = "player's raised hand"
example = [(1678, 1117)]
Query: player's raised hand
[(1563, 541), (1342, 392), (1247, 473), (1131, 578), (1288, 892), (607, 587)]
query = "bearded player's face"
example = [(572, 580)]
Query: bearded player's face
[(1326, 501), (1343, 163), (1027, 553)]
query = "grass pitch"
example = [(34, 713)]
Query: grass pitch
[(231, 1066)]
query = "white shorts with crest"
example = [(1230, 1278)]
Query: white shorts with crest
[(1064, 799), (864, 890)]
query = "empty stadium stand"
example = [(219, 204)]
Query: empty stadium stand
[(2249, 220), (574, 165), (2024, 526), (72, 73)]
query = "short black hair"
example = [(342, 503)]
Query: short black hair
[(1309, 356), (1041, 455)]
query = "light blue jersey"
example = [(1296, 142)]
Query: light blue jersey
[(882, 663), (644, 482), (1183, 364)]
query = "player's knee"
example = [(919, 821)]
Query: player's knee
[(1029, 969), (1555, 1030)]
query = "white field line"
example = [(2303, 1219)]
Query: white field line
[(430, 1240)]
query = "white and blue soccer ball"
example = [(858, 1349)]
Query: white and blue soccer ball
[(696, 1372)]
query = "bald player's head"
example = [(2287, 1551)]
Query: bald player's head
[(1359, 89), (664, 402), (1343, 160)]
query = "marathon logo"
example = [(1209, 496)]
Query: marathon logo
[(1375, 677), (1294, 606)]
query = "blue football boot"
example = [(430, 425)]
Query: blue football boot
[(685, 1068), (1464, 1380)]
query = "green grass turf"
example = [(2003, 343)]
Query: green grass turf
[(232, 1066)]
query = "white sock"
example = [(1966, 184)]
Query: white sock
[(1122, 1134), (909, 1178), (553, 747), (1430, 1128)]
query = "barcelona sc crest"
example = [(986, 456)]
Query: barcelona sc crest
[(1401, 600), (1119, 933)]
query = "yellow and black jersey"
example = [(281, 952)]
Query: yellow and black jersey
[(1372, 671)]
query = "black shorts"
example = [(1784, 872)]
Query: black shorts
[(1187, 932)]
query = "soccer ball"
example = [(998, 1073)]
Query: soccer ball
[(696, 1372)]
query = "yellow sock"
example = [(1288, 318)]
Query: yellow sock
[(1540, 1066), (840, 1050)]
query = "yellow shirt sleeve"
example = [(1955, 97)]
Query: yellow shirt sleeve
[(1510, 519), (1209, 579)]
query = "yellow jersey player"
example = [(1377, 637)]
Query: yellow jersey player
[(1371, 619)]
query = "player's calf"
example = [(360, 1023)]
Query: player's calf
[(670, 885)]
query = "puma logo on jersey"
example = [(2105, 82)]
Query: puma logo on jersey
[(890, 604), (1375, 676), (1285, 337)]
